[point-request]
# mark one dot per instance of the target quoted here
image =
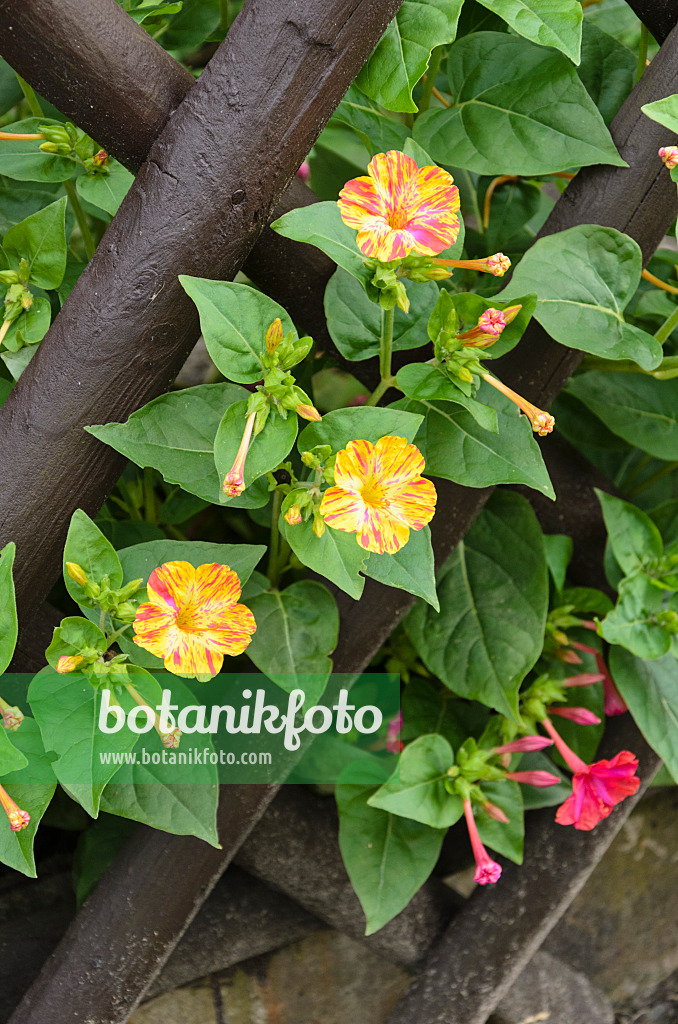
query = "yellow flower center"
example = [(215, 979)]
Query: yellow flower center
[(373, 495)]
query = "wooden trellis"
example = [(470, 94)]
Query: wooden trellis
[(214, 158)]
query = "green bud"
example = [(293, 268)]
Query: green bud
[(316, 456), (129, 590), (24, 270), (126, 611)]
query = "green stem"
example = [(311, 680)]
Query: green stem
[(385, 354), (279, 549), (32, 99), (669, 467), (102, 621), (114, 636), (81, 218), (633, 474), (225, 15), (667, 327), (433, 69), (150, 504), (380, 390), (642, 52)]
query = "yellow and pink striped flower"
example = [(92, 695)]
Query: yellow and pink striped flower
[(398, 208), (193, 618), (379, 493)]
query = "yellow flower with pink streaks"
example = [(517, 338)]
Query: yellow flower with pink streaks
[(379, 493), (193, 618), (400, 208)]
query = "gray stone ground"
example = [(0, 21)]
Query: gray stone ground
[(617, 946)]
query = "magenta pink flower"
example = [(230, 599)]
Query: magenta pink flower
[(304, 171), (393, 742), (582, 716), (487, 870)]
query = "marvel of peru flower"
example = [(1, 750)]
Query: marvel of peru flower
[(597, 787), (487, 870), (393, 742), (68, 663), (18, 819), (399, 208), (542, 422), (12, 717), (234, 481), (379, 493), (669, 156), (193, 618)]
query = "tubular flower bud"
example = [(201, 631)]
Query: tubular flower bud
[(308, 412), (495, 812), (525, 745), (490, 325), (583, 679), (68, 663), (274, 336), (100, 159), (393, 742), (19, 137), (18, 819), (669, 156), (12, 717), (542, 422), (170, 740), (582, 716), (293, 515), (76, 572), (539, 779), (614, 702), (304, 171), (318, 526), (496, 265), (234, 481), (487, 870)]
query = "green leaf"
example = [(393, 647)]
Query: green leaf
[(32, 788), (321, 225), (664, 111), (66, 707), (584, 278), (429, 707), (493, 593), (634, 537), (631, 623), (9, 626), (377, 132), (517, 109), (558, 551), (25, 161), (354, 322), (40, 239), (607, 69), (651, 691), (505, 838), (74, 633), (267, 450), (366, 424), (234, 319), (336, 555), (427, 383), (88, 548), (143, 12), (638, 408), (108, 190), (297, 630), (409, 569), (388, 858), (416, 789), (97, 846), (456, 448), (30, 326), (11, 759), (148, 792), (469, 307), (402, 54), (555, 23), (175, 435)]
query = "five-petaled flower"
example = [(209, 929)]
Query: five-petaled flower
[(400, 208), (669, 156), (379, 493), (192, 618), (487, 870)]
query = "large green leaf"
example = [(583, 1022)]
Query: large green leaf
[(387, 857), (402, 55), (321, 225), (32, 788), (41, 240), (416, 789), (25, 161), (234, 319), (422, 382), (505, 838), (336, 555), (378, 132), (267, 450), (149, 792), (493, 593), (354, 322), (607, 69), (88, 548), (409, 569), (517, 109), (106, 191), (368, 423), (457, 448), (634, 537), (9, 626), (555, 23), (584, 278), (11, 759), (664, 111), (297, 630), (175, 435), (650, 688), (642, 410), (66, 707), (632, 623)]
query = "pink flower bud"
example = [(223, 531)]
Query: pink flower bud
[(524, 745), (309, 412), (669, 156), (582, 716), (293, 515), (495, 812), (583, 679), (540, 779), (304, 172)]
